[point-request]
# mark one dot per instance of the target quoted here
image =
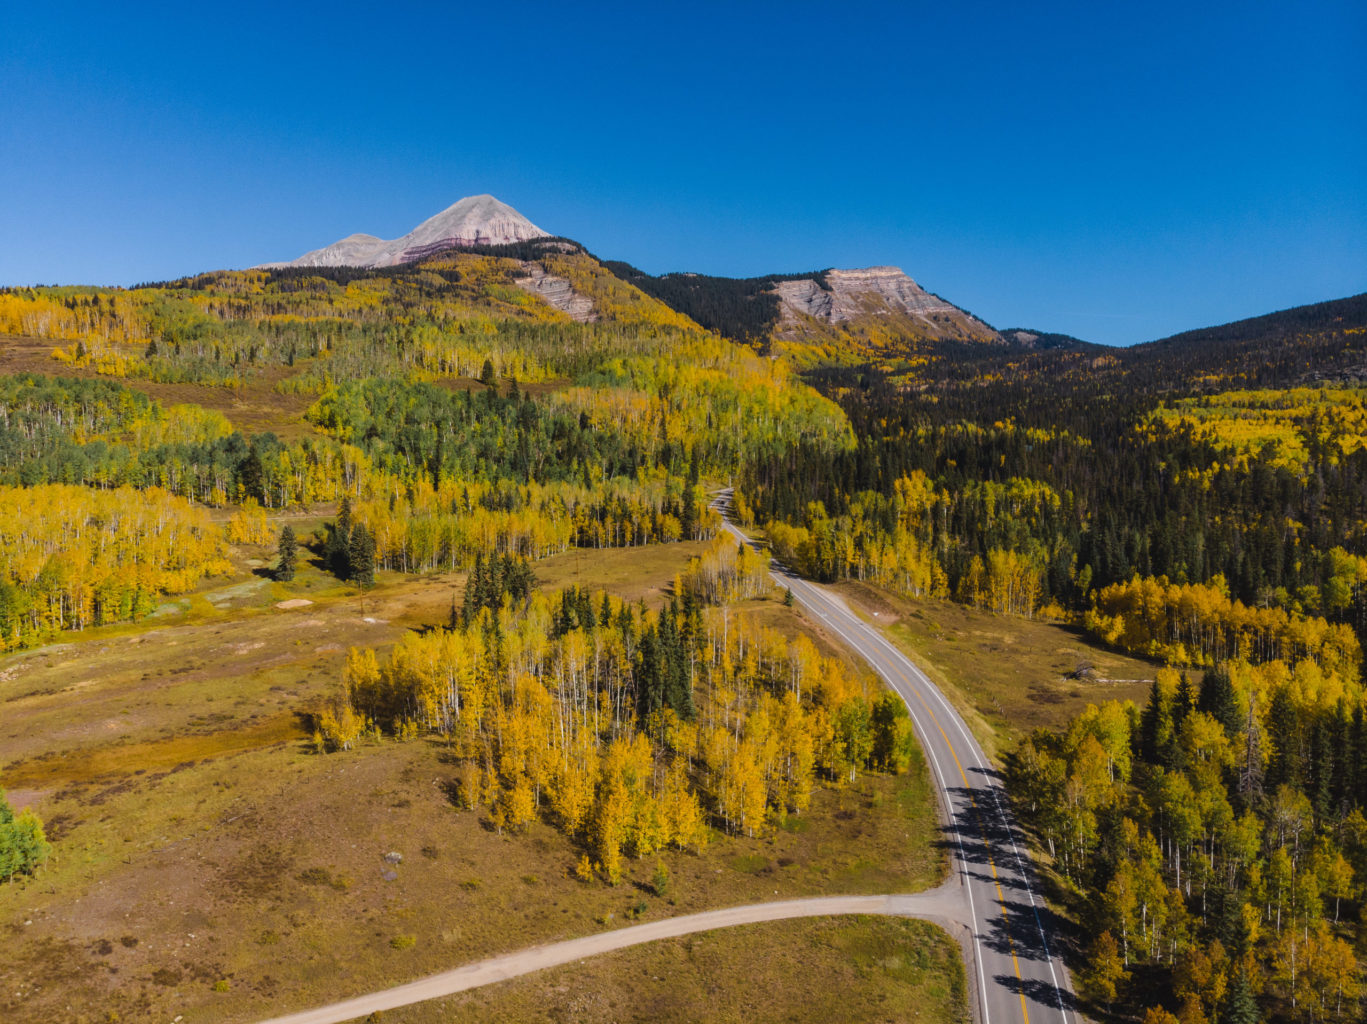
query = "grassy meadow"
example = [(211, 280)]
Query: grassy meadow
[(208, 863)]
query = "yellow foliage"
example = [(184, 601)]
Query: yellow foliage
[(77, 556), (1199, 624), (249, 525)]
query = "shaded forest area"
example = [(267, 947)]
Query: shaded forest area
[(740, 308)]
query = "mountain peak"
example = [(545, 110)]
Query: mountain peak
[(474, 220)]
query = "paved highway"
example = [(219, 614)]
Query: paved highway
[(1016, 975)]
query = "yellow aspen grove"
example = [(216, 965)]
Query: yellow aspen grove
[(1193, 623), (75, 556), (631, 730)]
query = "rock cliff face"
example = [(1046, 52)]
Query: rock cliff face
[(558, 292), (877, 292), (475, 220)]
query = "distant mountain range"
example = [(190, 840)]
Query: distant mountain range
[(835, 317), (863, 312)]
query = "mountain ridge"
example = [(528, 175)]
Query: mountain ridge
[(479, 220)]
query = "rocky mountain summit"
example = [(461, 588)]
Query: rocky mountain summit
[(474, 220)]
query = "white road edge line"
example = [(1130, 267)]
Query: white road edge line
[(784, 578)]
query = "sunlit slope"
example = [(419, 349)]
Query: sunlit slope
[(541, 313)]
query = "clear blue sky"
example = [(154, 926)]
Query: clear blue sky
[(1114, 171)]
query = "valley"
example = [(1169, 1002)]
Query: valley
[(370, 615)]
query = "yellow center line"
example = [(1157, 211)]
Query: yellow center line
[(991, 860)]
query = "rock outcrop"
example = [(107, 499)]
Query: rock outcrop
[(557, 291), (851, 295), (475, 220)]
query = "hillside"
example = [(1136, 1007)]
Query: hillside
[(1325, 341), (821, 317), (1025, 337)]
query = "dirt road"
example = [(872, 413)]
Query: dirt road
[(944, 905)]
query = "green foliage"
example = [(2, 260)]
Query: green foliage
[(1212, 837), (360, 556), (23, 844), (660, 881), (894, 743), (410, 429), (287, 555)]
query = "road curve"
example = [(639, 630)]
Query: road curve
[(941, 905), (1016, 974), (1011, 966)]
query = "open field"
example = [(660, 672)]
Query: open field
[(814, 970), (1007, 675), (208, 863), (253, 407)]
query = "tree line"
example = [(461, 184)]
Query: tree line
[(1213, 842)]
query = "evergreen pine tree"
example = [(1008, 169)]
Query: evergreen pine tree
[(487, 377), (689, 515), (336, 553), (584, 610), (1184, 702), (568, 617), (1218, 700), (1155, 726), (1240, 1006), (1341, 749), (1284, 734), (1357, 762), (1321, 769), (284, 569), (251, 476), (438, 456), (474, 583), (361, 556), (649, 676)]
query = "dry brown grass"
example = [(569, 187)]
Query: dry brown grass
[(253, 407), (200, 841), (1009, 675), (820, 970)]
